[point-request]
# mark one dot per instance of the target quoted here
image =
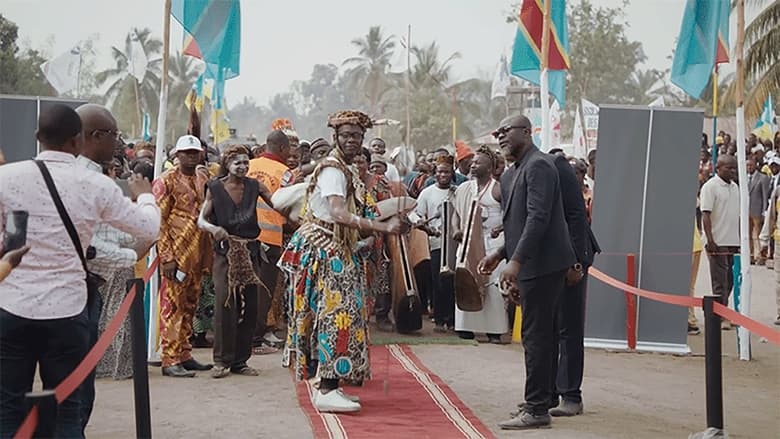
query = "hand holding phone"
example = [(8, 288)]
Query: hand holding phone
[(15, 230)]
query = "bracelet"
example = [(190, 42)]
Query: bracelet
[(577, 267)]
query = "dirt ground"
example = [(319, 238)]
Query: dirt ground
[(627, 395)]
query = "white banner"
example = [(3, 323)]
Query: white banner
[(500, 80), (63, 71), (555, 125), (590, 117)]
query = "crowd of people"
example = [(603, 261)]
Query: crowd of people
[(298, 245), (718, 213)]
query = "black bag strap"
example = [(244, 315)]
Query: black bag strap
[(55, 196)]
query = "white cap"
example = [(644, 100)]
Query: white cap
[(757, 148), (188, 143), (774, 161)]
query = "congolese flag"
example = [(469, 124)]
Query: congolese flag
[(702, 43), (526, 55)]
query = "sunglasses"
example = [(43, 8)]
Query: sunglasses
[(506, 128)]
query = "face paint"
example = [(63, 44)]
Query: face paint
[(239, 166)]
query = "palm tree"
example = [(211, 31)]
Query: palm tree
[(368, 71), (121, 85), (428, 69), (645, 84), (182, 74), (762, 57)]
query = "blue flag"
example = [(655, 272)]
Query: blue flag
[(702, 43), (146, 131), (526, 61), (215, 25)]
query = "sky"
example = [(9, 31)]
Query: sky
[(282, 40)]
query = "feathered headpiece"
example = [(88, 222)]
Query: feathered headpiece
[(285, 125), (351, 117)]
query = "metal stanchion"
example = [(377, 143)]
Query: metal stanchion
[(143, 416), (46, 400), (713, 372)]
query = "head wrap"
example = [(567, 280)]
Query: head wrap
[(484, 149), (462, 151), (318, 143), (350, 117), (285, 125)]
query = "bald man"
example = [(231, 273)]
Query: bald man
[(720, 218)]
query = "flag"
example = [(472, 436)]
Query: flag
[(701, 44), (526, 61), (136, 59), (63, 71), (500, 80), (197, 95), (215, 29), (578, 137), (767, 122), (219, 125), (657, 102), (146, 131)]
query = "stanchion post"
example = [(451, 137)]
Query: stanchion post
[(712, 364), (143, 416), (631, 301), (46, 400)]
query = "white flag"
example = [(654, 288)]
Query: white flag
[(578, 136), (658, 102), (500, 80), (137, 60), (555, 125), (62, 72)]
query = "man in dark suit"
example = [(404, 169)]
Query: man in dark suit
[(758, 196), (539, 254), (571, 309)]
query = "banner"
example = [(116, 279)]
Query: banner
[(590, 117), (555, 125), (136, 59), (500, 80), (63, 71), (534, 114)]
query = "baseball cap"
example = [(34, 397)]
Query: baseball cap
[(187, 143)]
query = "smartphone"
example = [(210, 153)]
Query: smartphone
[(125, 186), (15, 230), (180, 275)]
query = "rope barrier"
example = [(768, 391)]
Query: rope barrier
[(89, 362), (751, 325)]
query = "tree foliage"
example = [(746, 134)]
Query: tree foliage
[(20, 71)]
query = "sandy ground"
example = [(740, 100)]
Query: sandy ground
[(627, 395)]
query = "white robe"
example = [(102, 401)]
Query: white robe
[(492, 319)]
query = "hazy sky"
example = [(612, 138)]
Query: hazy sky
[(282, 40)]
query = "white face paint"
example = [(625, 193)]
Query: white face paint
[(239, 166)]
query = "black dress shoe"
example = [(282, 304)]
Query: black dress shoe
[(177, 371), (193, 364)]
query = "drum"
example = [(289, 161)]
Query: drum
[(448, 245), (407, 306), (419, 248), (394, 206), (469, 284)]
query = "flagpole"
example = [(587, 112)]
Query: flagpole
[(714, 118), (543, 85), (408, 73), (744, 335)]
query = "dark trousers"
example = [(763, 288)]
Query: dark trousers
[(424, 279), (539, 301), (444, 293), (269, 274), (87, 388), (57, 346), (233, 340), (721, 272), (571, 328)]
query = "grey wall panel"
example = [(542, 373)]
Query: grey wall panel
[(18, 120), (669, 219), (617, 218)]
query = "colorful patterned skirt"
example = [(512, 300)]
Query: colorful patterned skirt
[(328, 329)]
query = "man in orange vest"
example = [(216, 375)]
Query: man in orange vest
[(270, 168)]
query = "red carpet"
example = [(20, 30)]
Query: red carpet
[(417, 404)]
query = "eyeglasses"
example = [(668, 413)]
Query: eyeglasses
[(506, 128), (353, 135), (115, 133)]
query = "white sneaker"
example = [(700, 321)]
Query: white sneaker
[(353, 398), (270, 337), (334, 402)]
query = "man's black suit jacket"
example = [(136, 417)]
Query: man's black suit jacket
[(535, 228)]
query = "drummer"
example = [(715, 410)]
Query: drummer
[(492, 319), (428, 207)]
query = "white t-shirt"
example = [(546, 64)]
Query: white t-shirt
[(428, 206), (331, 181), (721, 199)]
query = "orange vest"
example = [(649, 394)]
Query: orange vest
[(270, 173)]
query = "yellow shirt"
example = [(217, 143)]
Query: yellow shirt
[(697, 243)]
